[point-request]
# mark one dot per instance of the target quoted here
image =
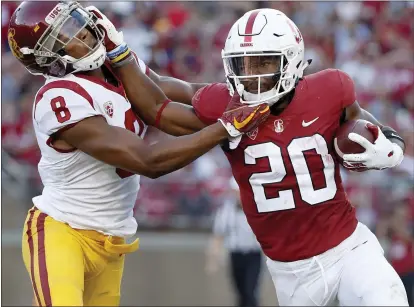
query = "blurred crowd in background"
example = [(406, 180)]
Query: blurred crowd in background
[(371, 41)]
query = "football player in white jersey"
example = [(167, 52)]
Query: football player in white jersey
[(92, 150)]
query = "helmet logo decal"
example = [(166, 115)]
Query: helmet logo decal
[(295, 31), (249, 29), (13, 44), (54, 13)]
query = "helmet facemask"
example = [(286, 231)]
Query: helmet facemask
[(265, 75), (67, 26)]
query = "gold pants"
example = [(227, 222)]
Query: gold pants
[(72, 267)]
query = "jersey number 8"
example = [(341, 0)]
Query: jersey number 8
[(58, 105)]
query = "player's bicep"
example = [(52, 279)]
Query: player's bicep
[(112, 145)]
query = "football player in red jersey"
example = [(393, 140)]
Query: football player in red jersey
[(317, 252)]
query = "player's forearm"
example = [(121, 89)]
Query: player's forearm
[(369, 117), (179, 90), (178, 119), (360, 113), (147, 99), (364, 114), (143, 94), (170, 155), (129, 153)]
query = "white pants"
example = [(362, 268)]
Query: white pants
[(354, 273)]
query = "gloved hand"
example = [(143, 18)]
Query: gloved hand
[(239, 118), (117, 50), (378, 155)]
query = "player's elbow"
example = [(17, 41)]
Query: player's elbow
[(135, 159), (154, 169), (155, 175), (152, 172)]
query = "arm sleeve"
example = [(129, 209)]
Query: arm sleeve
[(60, 108), (210, 102), (348, 89)]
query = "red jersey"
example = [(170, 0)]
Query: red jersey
[(288, 175)]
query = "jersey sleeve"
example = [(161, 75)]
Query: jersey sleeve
[(144, 68), (58, 108), (210, 102), (348, 88)]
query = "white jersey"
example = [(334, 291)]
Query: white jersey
[(78, 189)]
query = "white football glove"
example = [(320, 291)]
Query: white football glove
[(380, 155), (114, 40)]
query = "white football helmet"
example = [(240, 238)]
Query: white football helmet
[(259, 42)]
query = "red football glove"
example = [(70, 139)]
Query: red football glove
[(239, 118)]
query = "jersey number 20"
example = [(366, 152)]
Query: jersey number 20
[(277, 173)]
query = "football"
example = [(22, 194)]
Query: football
[(343, 145)]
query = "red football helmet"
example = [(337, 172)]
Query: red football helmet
[(39, 32)]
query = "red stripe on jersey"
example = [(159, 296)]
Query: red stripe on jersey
[(249, 27), (63, 84), (32, 267), (44, 277)]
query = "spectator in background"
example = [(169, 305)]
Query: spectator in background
[(232, 230)]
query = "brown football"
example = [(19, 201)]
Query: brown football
[(343, 145)]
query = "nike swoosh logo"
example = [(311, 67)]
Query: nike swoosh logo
[(306, 124), (278, 35), (241, 125)]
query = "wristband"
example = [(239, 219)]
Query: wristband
[(123, 62), (158, 117)]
